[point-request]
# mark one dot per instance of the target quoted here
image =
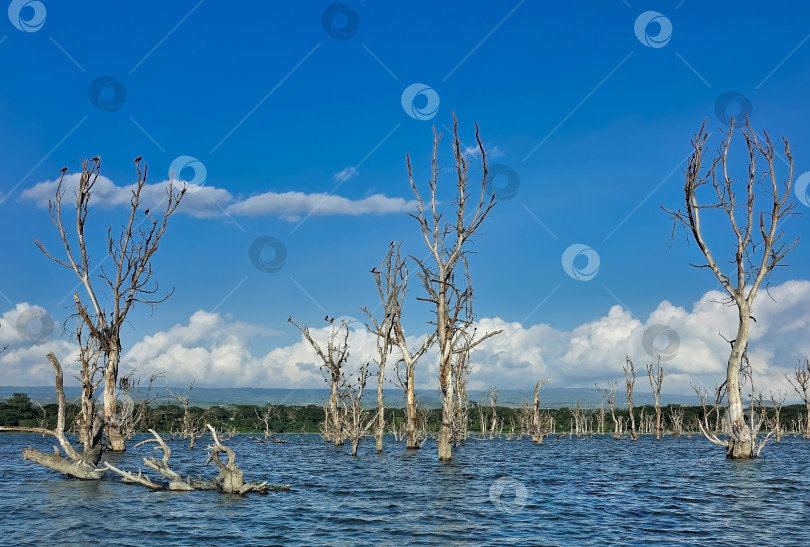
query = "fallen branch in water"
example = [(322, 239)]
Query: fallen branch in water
[(230, 479)]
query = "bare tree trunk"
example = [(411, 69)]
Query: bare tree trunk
[(630, 382), (412, 423), (741, 438), (446, 430), (332, 361), (116, 438), (758, 249), (451, 300), (801, 385), (79, 465), (129, 282), (656, 377)]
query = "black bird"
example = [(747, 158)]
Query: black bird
[(146, 212), (332, 320), (63, 170), (96, 159), (289, 319), (326, 317), (139, 158), (374, 269)]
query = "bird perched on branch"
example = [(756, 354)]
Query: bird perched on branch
[(374, 269), (96, 159), (63, 170), (136, 160)]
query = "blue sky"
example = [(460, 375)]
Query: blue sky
[(594, 122)]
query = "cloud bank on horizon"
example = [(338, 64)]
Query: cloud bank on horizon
[(215, 349)]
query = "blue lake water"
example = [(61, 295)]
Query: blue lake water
[(569, 492)]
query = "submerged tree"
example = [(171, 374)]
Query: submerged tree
[(332, 362), (356, 422), (388, 288), (450, 292), (656, 377), (609, 396), (128, 281), (630, 382), (79, 464), (800, 382), (757, 242)]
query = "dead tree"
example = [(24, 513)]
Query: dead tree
[(656, 377), (630, 382), (538, 426), (392, 283), (711, 407), (264, 419), (332, 361), (676, 421), (758, 245), (128, 281), (609, 396), (496, 424), (192, 425), (460, 421), (356, 422), (577, 419), (134, 405), (775, 423), (391, 289), (801, 385), (451, 295), (77, 464)]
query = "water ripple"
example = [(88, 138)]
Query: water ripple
[(596, 492)]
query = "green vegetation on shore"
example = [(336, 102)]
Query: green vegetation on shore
[(19, 410)]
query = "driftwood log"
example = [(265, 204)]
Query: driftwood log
[(229, 480)]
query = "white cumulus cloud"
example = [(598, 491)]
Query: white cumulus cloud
[(215, 350), (211, 202)]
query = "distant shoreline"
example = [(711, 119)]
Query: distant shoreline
[(204, 397)]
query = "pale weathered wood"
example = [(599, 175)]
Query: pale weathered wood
[(656, 377), (332, 362), (756, 240), (451, 298), (129, 280), (79, 465)]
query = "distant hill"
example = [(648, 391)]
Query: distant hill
[(204, 397)]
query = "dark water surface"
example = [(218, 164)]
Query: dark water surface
[(570, 492)]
